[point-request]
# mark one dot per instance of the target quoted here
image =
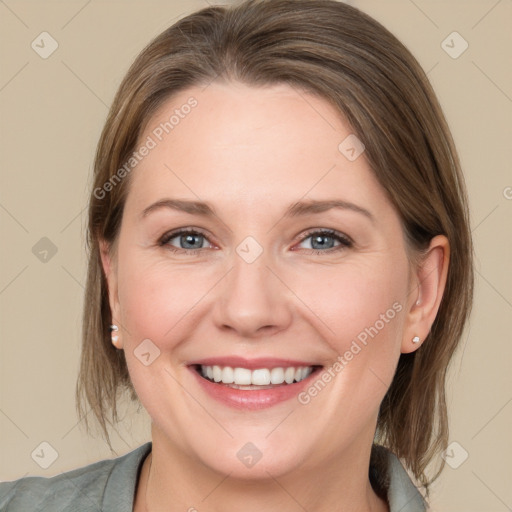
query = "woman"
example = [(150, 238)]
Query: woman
[(280, 270)]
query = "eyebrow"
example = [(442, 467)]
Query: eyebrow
[(297, 209)]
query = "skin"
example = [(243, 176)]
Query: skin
[(251, 152)]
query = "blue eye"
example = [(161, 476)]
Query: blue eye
[(324, 241), (190, 241)]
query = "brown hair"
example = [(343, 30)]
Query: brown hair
[(341, 54)]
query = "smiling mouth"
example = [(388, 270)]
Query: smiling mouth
[(258, 379)]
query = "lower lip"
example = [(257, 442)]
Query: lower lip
[(253, 399)]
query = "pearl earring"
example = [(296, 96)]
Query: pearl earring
[(416, 339), (114, 336)]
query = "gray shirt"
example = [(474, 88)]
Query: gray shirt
[(109, 486)]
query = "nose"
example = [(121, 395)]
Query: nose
[(253, 300)]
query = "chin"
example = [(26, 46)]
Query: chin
[(251, 464)]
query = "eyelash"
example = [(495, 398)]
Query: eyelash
[(345, 241)]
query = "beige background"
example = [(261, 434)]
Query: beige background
[(52, 112)]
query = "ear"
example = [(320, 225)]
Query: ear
[(429, 281), (109, 268)]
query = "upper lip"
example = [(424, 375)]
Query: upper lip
[(251, 364)]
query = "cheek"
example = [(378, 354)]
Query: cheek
[(364, 309), (157, 300), (355, 297), (155, 296)]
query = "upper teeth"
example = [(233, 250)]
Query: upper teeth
[(259, 377)]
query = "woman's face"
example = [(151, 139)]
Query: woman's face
[(269, 274)]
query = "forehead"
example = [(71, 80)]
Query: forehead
[(233, 143)]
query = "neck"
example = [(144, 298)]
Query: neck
[(173, 480)]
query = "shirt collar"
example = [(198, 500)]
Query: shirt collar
[(393, 482)]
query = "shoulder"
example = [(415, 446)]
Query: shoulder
[(391, 481), (105, 485)]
